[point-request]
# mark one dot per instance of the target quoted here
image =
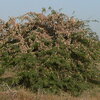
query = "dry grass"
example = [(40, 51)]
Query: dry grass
[(22, 94), (8, 74)]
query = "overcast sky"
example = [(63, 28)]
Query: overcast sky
[(84, 9)]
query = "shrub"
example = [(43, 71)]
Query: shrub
[(50, 52)]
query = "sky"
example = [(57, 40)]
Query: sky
[(84, 9)]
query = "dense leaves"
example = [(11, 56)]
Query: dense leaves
[(49, 52)]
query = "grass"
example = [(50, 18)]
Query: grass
[(23, 94)]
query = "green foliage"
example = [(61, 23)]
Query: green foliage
[(32, 37), (52, 53), (2, 70), (35, 46)]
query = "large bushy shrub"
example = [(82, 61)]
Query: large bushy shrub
[(49, 52)]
